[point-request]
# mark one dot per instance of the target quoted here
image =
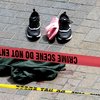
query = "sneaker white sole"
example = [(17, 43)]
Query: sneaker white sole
[(66, 38), (38, 36)]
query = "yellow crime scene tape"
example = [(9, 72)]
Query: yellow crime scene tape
[(24, 87)]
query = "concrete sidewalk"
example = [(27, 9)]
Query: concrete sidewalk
[(85, 15)]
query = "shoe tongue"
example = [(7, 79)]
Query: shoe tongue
[(64, 18), (34, 14), (64, 23)]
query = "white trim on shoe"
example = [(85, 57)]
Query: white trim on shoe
[(66, 30), (66, 38), (32, 36), (69, 37), (33, 29), (39, 35)]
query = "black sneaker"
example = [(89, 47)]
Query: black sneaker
[(65, 32), (33, 30)]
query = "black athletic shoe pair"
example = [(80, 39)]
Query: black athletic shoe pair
[(64, 32)]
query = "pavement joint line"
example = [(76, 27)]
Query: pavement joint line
[(12, 24), (45, 20), (12, 36), (90, 41), (44, 6), (25, 11), (95, 82), (78, 84), (23, 22), (83, 4), (45, 14), (90, 26), (88, 72)]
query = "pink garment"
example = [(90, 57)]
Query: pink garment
[(52, 28)]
